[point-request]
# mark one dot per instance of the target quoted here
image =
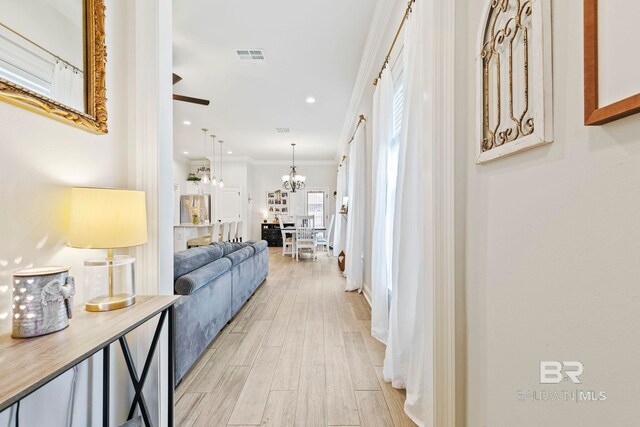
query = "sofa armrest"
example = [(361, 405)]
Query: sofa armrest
[(189, 283)]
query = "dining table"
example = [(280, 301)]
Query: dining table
[(292, 231)]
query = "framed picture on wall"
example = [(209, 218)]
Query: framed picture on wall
[(611, 83)]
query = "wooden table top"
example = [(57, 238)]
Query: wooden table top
[(28, 363)]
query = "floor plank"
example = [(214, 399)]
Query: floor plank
[(341, 401), (395, 402), (281, 409), (206, 380), (373, 409), (375, 348), (287, 374), (253, 398), (362, 373), (311, 408), (249, 348), (185, 414), (215, 409), (313, 350)]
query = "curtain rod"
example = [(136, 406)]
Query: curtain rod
[(361, 118), (395, 39), (40, 47)]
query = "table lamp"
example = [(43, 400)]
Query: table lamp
[(104, 218)]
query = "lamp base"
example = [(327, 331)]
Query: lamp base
[(110, 303)]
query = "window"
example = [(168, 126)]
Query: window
[(392, 161), (315, 206)]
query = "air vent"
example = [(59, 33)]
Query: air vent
[(283, 130), (252, 56)]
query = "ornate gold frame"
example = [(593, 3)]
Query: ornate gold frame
[(95, 118)]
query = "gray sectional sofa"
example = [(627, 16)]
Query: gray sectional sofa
[(216, 280)]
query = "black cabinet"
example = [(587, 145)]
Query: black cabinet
[(272, 234)]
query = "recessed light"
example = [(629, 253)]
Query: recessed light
[(311, 100), (186, 123), (185, 152), (229, 152)]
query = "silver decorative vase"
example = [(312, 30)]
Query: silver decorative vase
[(42, 301)]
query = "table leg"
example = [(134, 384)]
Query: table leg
[(171, 367), (106, 368)]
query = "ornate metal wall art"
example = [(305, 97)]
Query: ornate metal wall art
[(515, 77)]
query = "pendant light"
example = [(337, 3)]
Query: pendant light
[(205, 177), (214, 180), (221, 181), (293, 181)]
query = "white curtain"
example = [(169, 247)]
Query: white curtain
[(354, 251), (339, 239), (67, 86), (407, 355), (382, 134)]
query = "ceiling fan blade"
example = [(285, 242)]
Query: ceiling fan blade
[(191, 100), (176, 78)]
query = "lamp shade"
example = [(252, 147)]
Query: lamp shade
[(107, 218)]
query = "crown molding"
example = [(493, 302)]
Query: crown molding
[(379, 24), (250, 161), (298, 162)]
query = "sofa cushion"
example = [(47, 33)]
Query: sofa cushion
[(260, 246), (187, 261), (228, 247), (240, 255), (189, 283)]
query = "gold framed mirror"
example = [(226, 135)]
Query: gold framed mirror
[(53, 58)]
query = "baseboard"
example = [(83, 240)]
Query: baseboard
[(367, 295)]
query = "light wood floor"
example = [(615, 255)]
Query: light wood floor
[(299, 353)]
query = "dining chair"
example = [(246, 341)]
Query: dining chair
[(305, 221), (306, 238), (288, 239), (233, 227), (238, 237), (225, 231), (323, 238), (216, 232), (201, 240)]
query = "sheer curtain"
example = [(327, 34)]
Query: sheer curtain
[(407, 356), (354, 251), (382, 134), (340, 222), (67, 86)]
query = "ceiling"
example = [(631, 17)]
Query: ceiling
[(313, 49)]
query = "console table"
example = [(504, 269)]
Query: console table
[(28, 364), (272, 234)]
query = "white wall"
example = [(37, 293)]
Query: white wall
[(268, 177), (553, 239)]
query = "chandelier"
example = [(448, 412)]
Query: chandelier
[(293, 181)]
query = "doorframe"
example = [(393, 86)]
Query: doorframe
[(448, 402), (326, 201)]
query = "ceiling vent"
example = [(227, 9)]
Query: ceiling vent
[(252, 56), (283, 130)]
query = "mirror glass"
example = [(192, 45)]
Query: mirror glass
[(42, 48)]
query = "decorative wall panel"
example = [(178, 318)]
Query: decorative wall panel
[(515, 110)]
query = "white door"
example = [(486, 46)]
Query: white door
[(231, 204)]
